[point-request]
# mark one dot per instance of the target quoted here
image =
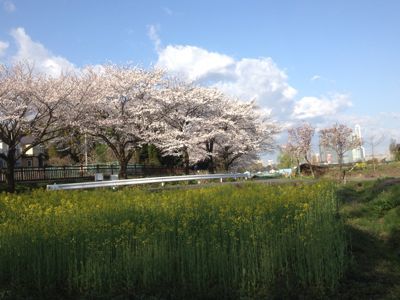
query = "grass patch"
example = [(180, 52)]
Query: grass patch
[(371, 211)]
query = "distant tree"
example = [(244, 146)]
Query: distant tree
[(147, 154), (340, 139), (243, 129), (153, 155), (102, 153), (299, 143), (285, 159), (74, 145), (394, 149), (373, 141)]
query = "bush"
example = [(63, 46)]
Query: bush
[(386, 200), (360, 166)]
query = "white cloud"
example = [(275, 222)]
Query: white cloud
[(9, 6), (193, 63), (247, 78), (315, 77), (35, 53), (154, 37), (3, 47), (261, 79), (167, 11), (313, 107)]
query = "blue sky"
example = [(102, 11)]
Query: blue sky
[(316, 61)]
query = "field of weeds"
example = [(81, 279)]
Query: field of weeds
[(249, 240)]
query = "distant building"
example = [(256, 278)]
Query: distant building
[(315, 159), (34, 157), (358, 154)]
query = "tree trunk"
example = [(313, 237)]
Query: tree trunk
[(311, 167), (123, 167), (10, 178), (186, 161), (226, 166), (298, 167), (211, 166), (342, 173), (210, 149)]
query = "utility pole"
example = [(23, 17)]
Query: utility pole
[(86, 152)]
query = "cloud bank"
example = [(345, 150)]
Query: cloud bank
[(313, 107)]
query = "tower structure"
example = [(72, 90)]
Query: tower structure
[(359, 152)]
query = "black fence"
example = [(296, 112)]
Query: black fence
[(83, 172)]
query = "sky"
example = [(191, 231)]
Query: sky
[(320, 62)]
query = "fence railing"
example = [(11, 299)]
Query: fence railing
[(83, 172), (162, 180)]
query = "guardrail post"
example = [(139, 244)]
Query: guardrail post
[(220, 180)]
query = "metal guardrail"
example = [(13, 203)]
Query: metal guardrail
[(162, 180)]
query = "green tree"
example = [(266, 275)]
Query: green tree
[(285, 160), (153, 155), (394, 149), (101, 151)]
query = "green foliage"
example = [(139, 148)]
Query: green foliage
[(386, 200), (285, 161), (153, 155), (397, 155), (250, 240), (360, 166), (371, 212), (147, 154), (101, 153), (394, 149)]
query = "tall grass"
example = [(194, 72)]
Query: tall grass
[(245, 241)]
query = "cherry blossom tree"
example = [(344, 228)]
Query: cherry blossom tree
[(31, 105), (203, 124), (117, 107), (299, 143), (243, 130), (184, 109), (212, 125), (340, 139)]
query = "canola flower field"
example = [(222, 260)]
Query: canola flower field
[(250, 240)]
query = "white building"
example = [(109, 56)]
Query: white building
[(34, 157), (358, 154)]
